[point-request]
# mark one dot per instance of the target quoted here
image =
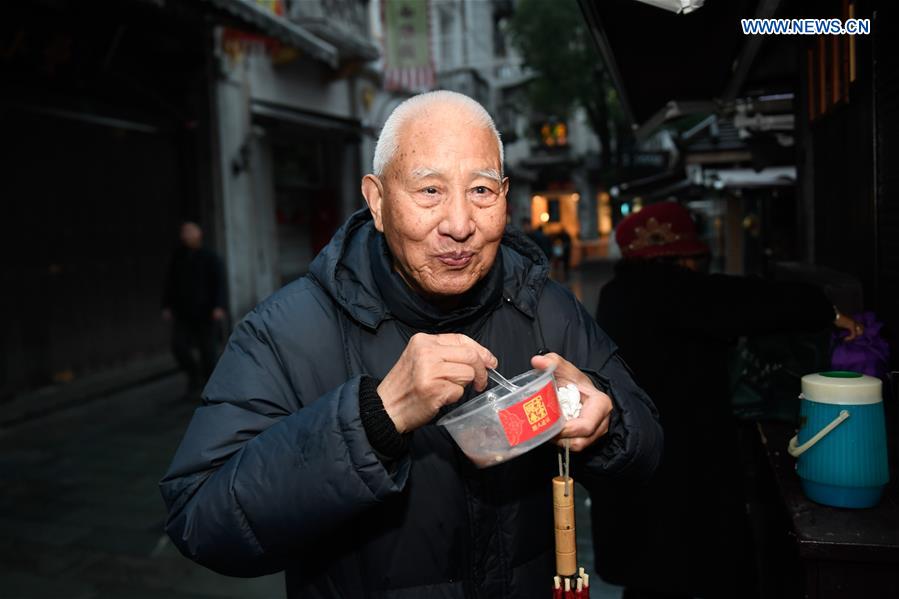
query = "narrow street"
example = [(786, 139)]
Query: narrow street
[(82, 517), (173, 164)]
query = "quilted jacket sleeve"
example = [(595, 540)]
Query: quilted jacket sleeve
[(270, 463), (633, 446)]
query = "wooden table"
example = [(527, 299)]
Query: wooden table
[(852, 553)]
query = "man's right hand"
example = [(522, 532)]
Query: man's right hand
[(432, 371), (166, 314)]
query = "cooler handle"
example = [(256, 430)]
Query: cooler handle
[(798, 450)]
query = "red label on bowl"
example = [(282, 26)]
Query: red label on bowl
[(531, 416)]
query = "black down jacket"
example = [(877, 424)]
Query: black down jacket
[(275, 470)]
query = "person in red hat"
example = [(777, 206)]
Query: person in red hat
[(686, 534), (663, 230)]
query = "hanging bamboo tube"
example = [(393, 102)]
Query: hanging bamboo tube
[(563, 515)]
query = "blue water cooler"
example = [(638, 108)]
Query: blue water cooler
[(841, 445)]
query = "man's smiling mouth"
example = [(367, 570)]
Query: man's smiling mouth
[(456, 259)]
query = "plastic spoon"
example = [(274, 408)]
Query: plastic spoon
[(501, 380)]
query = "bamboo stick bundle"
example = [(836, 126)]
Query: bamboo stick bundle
[(570, 581)]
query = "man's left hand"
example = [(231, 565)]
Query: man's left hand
[(596, 406), (218, 314)]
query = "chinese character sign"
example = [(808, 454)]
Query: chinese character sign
[(407, 45)]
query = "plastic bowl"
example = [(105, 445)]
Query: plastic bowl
[(500, 424)]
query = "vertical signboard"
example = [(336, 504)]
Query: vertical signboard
[(407, 45)]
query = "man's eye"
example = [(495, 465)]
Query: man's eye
[(430, 190), (481, 190)]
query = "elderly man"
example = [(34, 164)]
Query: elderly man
[(317, 450)]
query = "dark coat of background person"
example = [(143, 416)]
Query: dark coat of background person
[(542, 240), (195, 284), (276, 472), (686, 532), (194, 287)]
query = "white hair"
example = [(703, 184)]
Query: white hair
[(388, 141)]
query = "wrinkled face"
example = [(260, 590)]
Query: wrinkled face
[(441, 202)]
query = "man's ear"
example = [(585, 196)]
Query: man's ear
[(373, 191)]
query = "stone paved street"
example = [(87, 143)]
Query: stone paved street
[(81, 516)]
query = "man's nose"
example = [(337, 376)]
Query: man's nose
[(458, 220)]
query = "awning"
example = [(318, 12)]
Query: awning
[(745, 178), (279, 28), (677, 182), (669, 190), (648, 184), (671, 111), (678, 6), (664, 64), (713, 135), (347, 44), (277, 113)]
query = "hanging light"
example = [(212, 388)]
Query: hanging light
[(678, 6)]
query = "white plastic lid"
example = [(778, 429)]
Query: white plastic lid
[(841, 387)]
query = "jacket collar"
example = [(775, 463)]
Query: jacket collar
[(408, 307), (354, 268)]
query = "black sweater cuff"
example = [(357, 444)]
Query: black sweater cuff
[(379, 428)]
